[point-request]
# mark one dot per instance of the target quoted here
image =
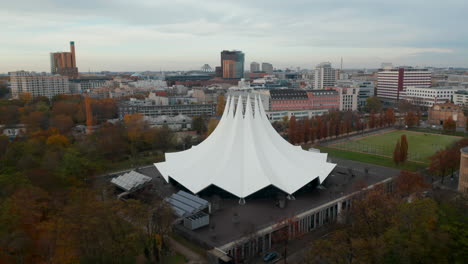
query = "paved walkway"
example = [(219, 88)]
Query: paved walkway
[(193, 258)]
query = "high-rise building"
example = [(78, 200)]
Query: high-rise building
[(366, 89), (348, 98), (64, 63), (324, 76), (37, 84), (392, 82), (232, 64), (267, 67), (254, 67)]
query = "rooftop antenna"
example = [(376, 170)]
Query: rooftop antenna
[(341, 64)]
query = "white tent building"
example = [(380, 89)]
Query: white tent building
[(243, 155)]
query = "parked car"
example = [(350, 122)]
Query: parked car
[(270, 256)]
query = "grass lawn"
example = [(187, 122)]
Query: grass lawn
[(420, 145), (372, 159), (176, 259)]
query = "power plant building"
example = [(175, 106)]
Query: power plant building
[(64, 63)]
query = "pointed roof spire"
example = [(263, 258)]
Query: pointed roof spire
[(248, 107), (239, 109)]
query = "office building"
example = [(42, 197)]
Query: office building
[(366, 89), (324, 76), (461, 98), (37, 84), (254, 67), (324, 99), (64, 63), (289, 99), (86, 84), (392, 82), (232, 64), (348, 98), (427, 97), (267, 67), (151, 109)]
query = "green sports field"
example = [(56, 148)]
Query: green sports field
[(420, 145)]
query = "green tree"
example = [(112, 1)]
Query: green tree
[(374, 104), (199, 125)]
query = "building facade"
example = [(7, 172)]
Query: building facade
[(461, 98), (298, 114), (149, 109), (289, 99), (64, 63), (37, 84), (254, 67), (427, 97), (232, 64), (267, 67), (348, 98), (324, 76), (324, 99), (87, 84), (366, 89), (439, 113), (392, 83)]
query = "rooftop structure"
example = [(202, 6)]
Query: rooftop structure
[(185, 204), (131, 181), (244, 155)]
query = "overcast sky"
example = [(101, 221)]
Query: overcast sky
[(139, 35)]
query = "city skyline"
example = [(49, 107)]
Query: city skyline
[(148, 35)]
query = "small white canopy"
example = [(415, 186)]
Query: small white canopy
[(244, 155)]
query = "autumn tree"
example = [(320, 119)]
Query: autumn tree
[(409, 182), (220, 105), (9, 114), (58, 141), (63, 123), (449, 125), (397, 152), (389, 117), (212, 125), (403, 149), (286, 229), (439, 164), (292, 130), (307, 130), (372, 120), (411, 119)]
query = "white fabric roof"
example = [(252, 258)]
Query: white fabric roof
[(243, 155), (131, 180)]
